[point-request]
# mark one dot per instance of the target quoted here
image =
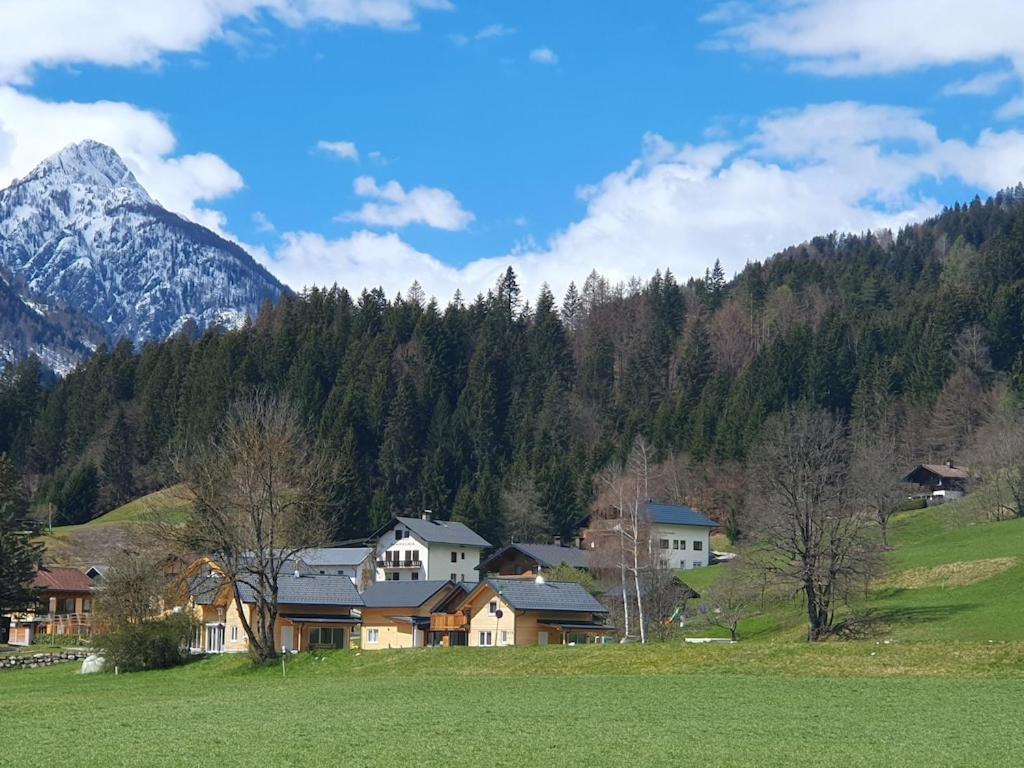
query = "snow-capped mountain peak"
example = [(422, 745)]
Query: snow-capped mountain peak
[(79, 233)]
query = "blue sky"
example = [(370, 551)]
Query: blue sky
[(555, 136)]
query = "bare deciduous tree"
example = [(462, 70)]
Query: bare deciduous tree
[(523, 518), (800, 511), (259, 500), (737, 594), (997, 459), (876, 471)]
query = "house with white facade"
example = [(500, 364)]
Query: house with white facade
[(424, 549), (680, 535), (354, 562)]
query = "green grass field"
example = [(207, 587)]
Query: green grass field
[(757, 704), (96, 540), (939, 683)]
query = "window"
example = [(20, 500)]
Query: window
[(663, 543), (492, 607), (675, 543), (234, 631), (453, 576), (395, 575), (86, 605), (698, 546), (682, 543), (415, 576), (398, 534), (504, 637), (323, 573), (455, 557), (463, 554), (372, 636), (486, 638), (328, 637), (698, 564)]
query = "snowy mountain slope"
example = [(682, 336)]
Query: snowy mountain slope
[(80, 234)]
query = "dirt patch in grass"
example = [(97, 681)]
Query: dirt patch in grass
[(950, 575)]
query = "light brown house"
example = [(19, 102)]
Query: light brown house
[(64, 606), (524, 612), (314, 611), (398, 613)]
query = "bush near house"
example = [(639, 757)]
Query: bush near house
[(154, 644)]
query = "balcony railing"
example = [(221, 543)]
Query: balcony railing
[(448, 622), (417, 563)]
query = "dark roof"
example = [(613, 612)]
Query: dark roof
[(546, 555), (314, 619), (940, 470), (528, 595), (321, 556), (439, 531), (204, 588), (402, 594), (310, 589), (61, 580), (673, 514), (576, 625), (444, 532)]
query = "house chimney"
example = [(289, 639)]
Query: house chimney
[(427, 514), (949, 463), (558, 541), (297, 574)]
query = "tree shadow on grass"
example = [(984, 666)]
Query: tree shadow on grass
[(875, 621)]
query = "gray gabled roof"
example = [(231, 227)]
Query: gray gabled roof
[(546, 555), (676, 514), (440, 532), (402, 594), (310, 589), (204, 588), (327, 556), (528, 595)]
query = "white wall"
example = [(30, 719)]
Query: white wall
[(436, 559), (686, 556)]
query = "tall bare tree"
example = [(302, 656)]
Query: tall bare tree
[(997, 459), (258, 491), (799, 510), (876, 472)]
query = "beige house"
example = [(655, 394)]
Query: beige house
[(64, 606), (528, 612), (314, 611), (397, 614)]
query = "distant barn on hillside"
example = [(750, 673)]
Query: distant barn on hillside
[(939, 482)]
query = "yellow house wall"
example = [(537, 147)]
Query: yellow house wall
[(482, 620), (393, 634)]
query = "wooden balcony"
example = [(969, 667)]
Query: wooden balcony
[(399, 563), (449, 622)]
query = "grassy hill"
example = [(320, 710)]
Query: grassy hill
[(952, 575), (93, 542)]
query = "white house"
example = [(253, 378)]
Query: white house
[(421, 548), (354, 562), (681, 535)]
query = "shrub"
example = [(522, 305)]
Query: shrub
[(153, 644)]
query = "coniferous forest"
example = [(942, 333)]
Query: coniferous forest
[(458, 408)]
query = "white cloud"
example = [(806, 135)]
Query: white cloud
[(543, 56), (396, 207), (494, 30), (838, 37), (985, 84), (487, 33), (45, 33), (343, 149), (860, 169), (262, 223), (31, 129)]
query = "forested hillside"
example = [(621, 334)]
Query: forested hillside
[(504, 400)]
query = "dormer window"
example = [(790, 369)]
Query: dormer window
[(399, 534)]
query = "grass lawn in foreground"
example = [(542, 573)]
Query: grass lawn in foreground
[(763, 704)]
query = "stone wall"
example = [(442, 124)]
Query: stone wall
[(36, 660)]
